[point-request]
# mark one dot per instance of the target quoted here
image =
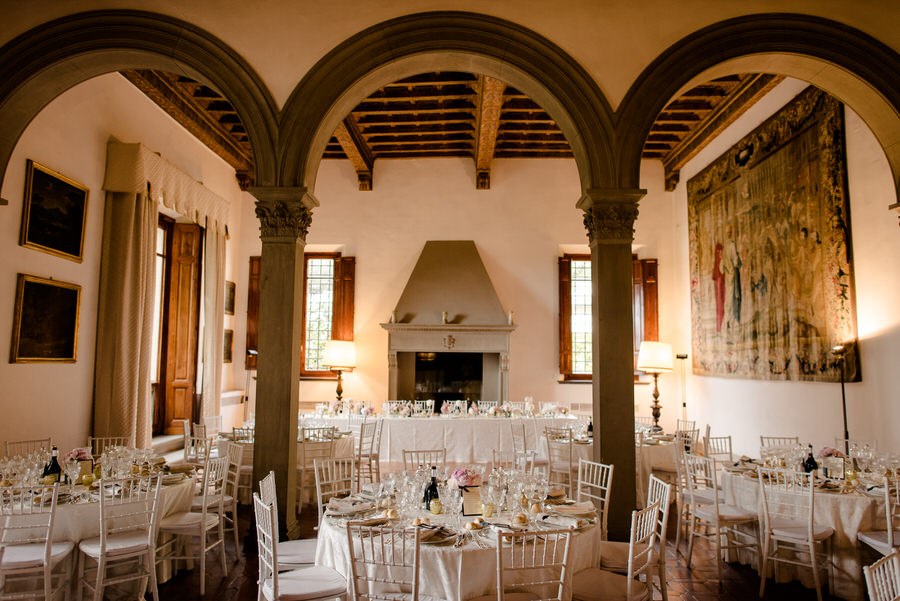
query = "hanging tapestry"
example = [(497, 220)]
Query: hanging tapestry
[(769, 225)]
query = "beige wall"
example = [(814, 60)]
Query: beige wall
[(70, 136), (748, 408)]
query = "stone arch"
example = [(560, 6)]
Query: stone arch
[(446, 40), (845, 62), (43, 62)]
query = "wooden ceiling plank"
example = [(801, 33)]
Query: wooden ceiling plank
[(487, 123), (356, 149)]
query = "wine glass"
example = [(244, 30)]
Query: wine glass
[(453, 505), (73, 470)]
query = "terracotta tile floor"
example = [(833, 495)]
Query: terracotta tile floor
[(698, 583)]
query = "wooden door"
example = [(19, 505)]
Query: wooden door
[(183, 322)]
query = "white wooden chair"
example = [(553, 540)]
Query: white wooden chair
[(643, 423), (888, 540), (789, 528), (560, 451), (512, 460), (368, 461), (423, 407), (210, 520), (236, 481), (243, 434), (485, 405), (594, 484), (717, 519), (318, 444), (597, 584), (310, 583), (384, 563), (614, 555), (292, 554), (31, 563), (126, 547), (413, 458), (768, 443), (335, 478), (718, 448), (689, 440), (17, 448), (536, 560), (98, 444), (685, 424), (519, 433), (518, 406), (883, 578), (197, 451)]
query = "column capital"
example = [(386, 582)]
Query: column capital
[(609, 214), (283, 212)]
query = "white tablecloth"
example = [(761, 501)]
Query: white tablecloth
[(467, 439), (654, 457), (343, 447), (847, 514), (450, 573)]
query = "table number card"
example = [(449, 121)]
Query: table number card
[(471, 500)]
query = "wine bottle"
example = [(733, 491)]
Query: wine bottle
[(810, 465), (52, 471), (590, 428), (431, 491)]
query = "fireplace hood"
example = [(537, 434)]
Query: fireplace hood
[(449, 305)]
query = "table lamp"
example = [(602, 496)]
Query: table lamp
[(339, 356), (655, 358)]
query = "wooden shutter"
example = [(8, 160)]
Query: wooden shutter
[(344, 291), (183, 321), (252, 312), (565, 315)]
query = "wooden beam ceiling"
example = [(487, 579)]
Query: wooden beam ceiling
[(455, 114)]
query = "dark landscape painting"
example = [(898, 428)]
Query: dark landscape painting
[(45, 322), (54, 212)]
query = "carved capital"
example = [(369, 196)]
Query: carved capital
[(611, 221), (283, 219)]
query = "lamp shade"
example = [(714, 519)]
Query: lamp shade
[(339, 354), (655, 357)]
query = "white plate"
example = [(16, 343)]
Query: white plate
[(441, 538)]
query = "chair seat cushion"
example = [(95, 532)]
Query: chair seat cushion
[(296, 552), (311, 582), (703, 497), (32, 555), (506, 597), (121, 543), (594, 584), (799, 532), (727, 513), (560, 466), (541, 461), (878, 540), (408, 597), (211, 503), (614, 555), (187, 520)]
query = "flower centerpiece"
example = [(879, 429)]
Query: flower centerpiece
[(405, 410), (833, 462), (474, 409), (79, 454), (529, 406), (554, 410), (830, 452), (367, 410), (463, 477), (334, 408)]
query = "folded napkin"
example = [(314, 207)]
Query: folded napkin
[(373, 521), (563, 521), (580, 507), (430, 532), (348, 505), (556, 491), (181, 469)]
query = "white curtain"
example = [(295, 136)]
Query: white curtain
[(214, 317), (123, 404)]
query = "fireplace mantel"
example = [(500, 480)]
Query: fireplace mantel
[(448, 338)]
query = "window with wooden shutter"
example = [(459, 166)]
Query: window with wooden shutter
[(576, 319), (328, 306)]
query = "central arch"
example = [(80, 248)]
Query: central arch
[(446, 40)]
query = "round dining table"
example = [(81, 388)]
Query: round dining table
[(450, 572)]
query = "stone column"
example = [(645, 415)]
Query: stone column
[(284, 216), (609, 217)]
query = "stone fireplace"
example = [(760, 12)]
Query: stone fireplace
[(449, 307)]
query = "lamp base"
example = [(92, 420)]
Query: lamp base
[(656, 407)]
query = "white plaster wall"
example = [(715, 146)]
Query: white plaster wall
[(70, 136), (747, 408), (518, 226)]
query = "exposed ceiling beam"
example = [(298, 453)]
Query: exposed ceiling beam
[(487, 122), (357, 151), (751, 88)]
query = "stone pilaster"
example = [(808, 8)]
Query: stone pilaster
[(609, 217), (284, 217)]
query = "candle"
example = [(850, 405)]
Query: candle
[(393, 317), (444, 317)]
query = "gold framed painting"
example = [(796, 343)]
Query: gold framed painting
[(54, 213), (45, 321)]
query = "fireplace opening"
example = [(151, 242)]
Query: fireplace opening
[(448, 376)]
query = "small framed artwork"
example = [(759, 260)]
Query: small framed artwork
[(54, 213), (229, 298), (45, 321), (229, 344)]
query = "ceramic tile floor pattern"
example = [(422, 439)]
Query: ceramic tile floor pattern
[(698, 583)]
